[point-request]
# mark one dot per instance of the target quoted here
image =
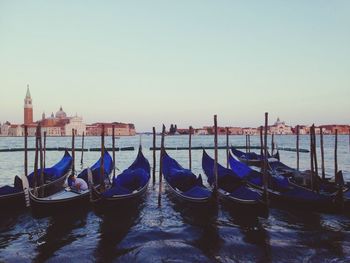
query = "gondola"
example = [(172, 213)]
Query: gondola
[(326, 186), (12, 197), (183, 184), (252, 158), (68, 197), (232, 188), (284, 193), (127, 188)]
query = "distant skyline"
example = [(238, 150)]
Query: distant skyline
[(154, 62)]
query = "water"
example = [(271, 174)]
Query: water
[(172, 232)]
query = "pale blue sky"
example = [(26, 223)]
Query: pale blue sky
[(153, 62)]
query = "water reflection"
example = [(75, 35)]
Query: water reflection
[(59, 233), (253, 231), (113, 229)]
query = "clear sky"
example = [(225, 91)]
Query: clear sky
[(153, 62)]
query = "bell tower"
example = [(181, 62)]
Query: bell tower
[(28, 108)]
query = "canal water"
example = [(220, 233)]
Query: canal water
[(173, 232)]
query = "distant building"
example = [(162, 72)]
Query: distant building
[(280, 127), (250, 131), (200, 131), (342, 129), (120, 129), (28, 108)]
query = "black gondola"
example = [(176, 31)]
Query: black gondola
[(68, 197), (231, 188), (252, 158), (183, 184), (12, 197), (126, 188), (281, 191)]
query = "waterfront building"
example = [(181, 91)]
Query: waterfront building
[(120, 129), (280, 127)]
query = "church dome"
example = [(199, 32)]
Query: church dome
[(61, 114)]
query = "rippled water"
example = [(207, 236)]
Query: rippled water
[(173, 232)]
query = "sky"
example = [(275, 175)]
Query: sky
[(153, 62)]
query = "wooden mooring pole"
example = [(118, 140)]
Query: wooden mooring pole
[(154, 156), (272, 143), (41, 158), (297, 146), (265, 158), (336, 155), (36, 179), (44, 149), (190, 148), (25, 179), (322, 155), (102, 171), (314, 149), (227, 148), (113, 150), (261, 142), (312, 158), (73, 152), (26, 150), (82, 148), (215, 156), (161, 165)]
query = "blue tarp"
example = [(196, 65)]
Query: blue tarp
[(183, 179), (17, 187), (54, 172), (245, 193), (131, 179), (96, 169)]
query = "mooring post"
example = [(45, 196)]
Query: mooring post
[(102, 171), (298, 134), (322, 155), (73, 152), (249, 143), (265, 158), (312, 159), (272, 143), (336, 155), (215, 156), (44, 149), (36, 179), (25, 182), (113, 151), (26, 150), (227, 148), (82, 148), (261, 142), (154, 156), (161, 165), (246, 143), (41, 158), (190, 148), (314, 149)]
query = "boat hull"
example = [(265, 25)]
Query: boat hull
[(103, 205)]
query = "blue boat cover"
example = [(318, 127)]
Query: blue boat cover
[(245, 172), (183, 179), (252, 156), (55, 172), (226, 177), (228, 180), (131, 179), (17, 187), (96, 170), (245, 193)]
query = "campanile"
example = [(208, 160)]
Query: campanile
[(28, 108)]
